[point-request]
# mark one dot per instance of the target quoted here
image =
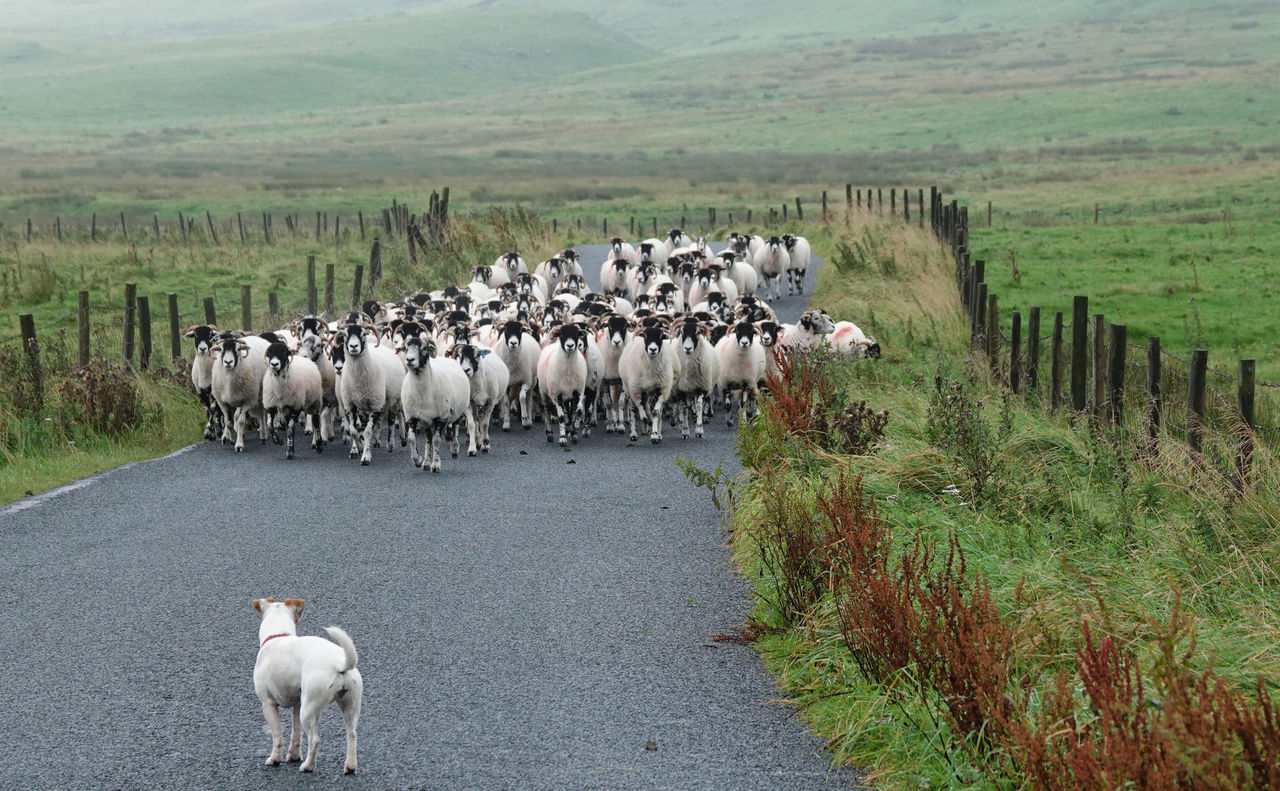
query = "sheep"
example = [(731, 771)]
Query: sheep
[(237, 384), (798, 253), (753, 309), (814, 325), (769, 332), (649, 368), (512, 262), (613, 276), (742, 364), (485, 281), (205, 336), (771, 261), (488, 378), (520, 351), (562, 379), (436, 398), (312, 332), (369, 388), (290, 387), (611, 340), (742, 274), (676, 239), (532, 285), (552, 271), (699, 373), (708, 281), (618, 248), (595, 377), (849, 340)]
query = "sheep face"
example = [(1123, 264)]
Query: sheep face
[(653, 337), (689, 333), (356, 339), (645, 273), (817, 322), (688, 272), (468, 358), (577, 285), (744, 333), (769, 333), (569, 336), (338, 356), (205, 335), (616, 330), (646, 252), (555, 267), (311, 327), (706, 277), (483, 274), (231, 351), (512, 261), (512, 332), (870, 348), (374, 310), (278, 358), (616, 244), (417, 352), (775, 245)]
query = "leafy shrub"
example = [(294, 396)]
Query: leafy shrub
[(955, 424)]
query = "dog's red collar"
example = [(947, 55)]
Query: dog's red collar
[(272, 637)]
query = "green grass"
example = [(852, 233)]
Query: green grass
[(1077, 526), (1206, 284)]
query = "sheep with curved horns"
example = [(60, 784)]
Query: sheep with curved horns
[(520, 350), (809, 332), (798, 255), (699, 373), (369, 388), (237, 385), (562, 381), (488, 379), (742, 365), (205, 336), (850, 341), (649, 368), (436, 399), (291, 387), (512, 262)]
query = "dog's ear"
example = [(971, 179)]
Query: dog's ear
[(296, 605), (257, 604)]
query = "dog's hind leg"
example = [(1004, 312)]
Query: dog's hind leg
[(349, 703), (310, 720), (295, 737), (272, 712)]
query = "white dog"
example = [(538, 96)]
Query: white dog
[(305, 674)]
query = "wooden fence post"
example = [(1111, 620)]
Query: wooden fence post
[(799, 209), (1033, 349), (1055, 363), (240, 225), (246, 308), (328, 289), (360, 214), (1115, 373), (1099, 367), (311, 285), (824, 207), (210, 315), (130, 316), (920, 214), (893, 200), (144, 332), (355, 285), (906, 205), (1015, 352), (1079, 352), (1195, 398), (1155, 399), (57, 227), (82, 328), (93, 228), (155, 224), (317, 226), (213, 232), (848, 197), (273, 308), (124, 229), (1245, 397), (375, 265), (993, 335), (34, 402), (266, 229), (980, 317), (175, 328), (860, 199)]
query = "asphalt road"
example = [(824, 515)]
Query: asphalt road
[(526, 620)]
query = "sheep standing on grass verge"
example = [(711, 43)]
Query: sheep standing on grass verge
[(699, 373), (291, 386), (850, 341), (649, 369), (771, 261), (369, 388), (205, 336), (513, 263), (562, 380), (436, 398), (237, 384), (742, 365), (488, 378)]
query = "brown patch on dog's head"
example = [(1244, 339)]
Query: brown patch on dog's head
[(257, 604), (296, 605)]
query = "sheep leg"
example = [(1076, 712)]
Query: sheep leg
[(291, 419), (307, 426), (353, 432), (413, 443), (242, 415), (210, 407), (507, 402), (526, 406), (487, 414), (547, 415), (697, 431), (318, 437), (370, 431), (633, 412), (472, 430), (436, 441), (452, 432), (655, 432), (683, 409), (730, 395), (752, 395), (562, 422), (578, 418), (228, 423)]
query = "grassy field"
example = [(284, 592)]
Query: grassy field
[(1066, 525)]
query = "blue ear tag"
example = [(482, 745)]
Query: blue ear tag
[(485, 353)]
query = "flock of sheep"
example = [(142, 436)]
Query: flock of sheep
[(673, 330)]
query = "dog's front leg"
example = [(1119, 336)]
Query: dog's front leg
[(272, 712), (295, 737)]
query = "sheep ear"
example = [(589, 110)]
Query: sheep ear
[(191, 332)]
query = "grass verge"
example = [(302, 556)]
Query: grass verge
[(992, 597)]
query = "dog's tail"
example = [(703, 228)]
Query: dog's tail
[(349, 648)]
